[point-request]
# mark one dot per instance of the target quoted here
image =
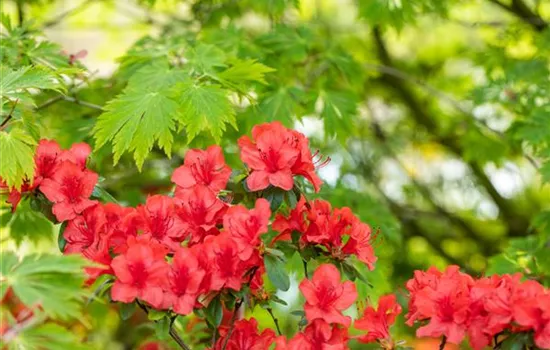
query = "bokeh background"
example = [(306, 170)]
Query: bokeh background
[(428, 110)]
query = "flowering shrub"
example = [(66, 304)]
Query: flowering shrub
[(219, 244)]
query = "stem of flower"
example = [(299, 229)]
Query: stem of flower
[(176, 336), (443, 343), (172, 331), (305, 268), (232, 323), (275, 320)]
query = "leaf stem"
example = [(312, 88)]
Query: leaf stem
[(10, 115), (275, 320)]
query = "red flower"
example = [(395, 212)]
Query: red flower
[(360, 244), (184, 280), (304, 165), (140, 272), (326, 297), (531, 309), (200, 167), (319, 335), (200, 211), (378, 322), (85, 230), (446, 306), (122, 223), (69, 188), (245, 336), (226, 267), (420, 281), (294, 222), (245, 226), (158, 218), (49, 156), (14, 195), (276, 155)]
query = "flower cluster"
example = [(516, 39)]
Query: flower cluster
[(173, 251), (199, 247), (338, 231), (455, 305)]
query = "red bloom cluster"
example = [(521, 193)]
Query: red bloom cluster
[(275, 155), (61, 175), (456, 305), (319, 224)]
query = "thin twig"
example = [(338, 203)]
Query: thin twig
[(176, 336), (83, 103), (443, 343), (520, 9), (172, 332), (232, 323), (270, 311), (10, 115), (305, 268), (54, 21), (20, 12)]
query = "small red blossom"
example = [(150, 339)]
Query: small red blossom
[(226, 267), (86, 230), (184, 280), (294, 222), (49, 156), (122, 223), (69, 188), (378, 322), (245, 226), (245, 336), (319, 335), (199, 211), (275, 156), (201, 167), (326, 297), (359, 244), (158, 218), (140, 272)]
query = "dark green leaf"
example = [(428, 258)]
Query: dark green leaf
[(276, 272)]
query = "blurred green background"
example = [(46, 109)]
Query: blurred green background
[(435, 115)]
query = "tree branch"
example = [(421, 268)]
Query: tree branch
[(520, 9), (20, 12), (517, 225), (54, 21), (10, 115)]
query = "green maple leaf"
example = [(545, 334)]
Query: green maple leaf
[(17, 162), (339, 111), (143, 114), (244, 71), (205, 107), (52, 281)]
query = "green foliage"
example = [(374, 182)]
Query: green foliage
[(276, 271), (54, 336), (17, 149), (26, 224), (52, 282)]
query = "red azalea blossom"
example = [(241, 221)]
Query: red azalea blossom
[(378, 322), (326, 297), (294, 222), (245, 336), (49, 156), (69, 188), (184, 280), (320, 224), (319, 335), (200, 167), (226, 267), (275, 156), (245, 226), (122, 223), (140, 272), (199, 211), (158, 218), (86, 230)]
